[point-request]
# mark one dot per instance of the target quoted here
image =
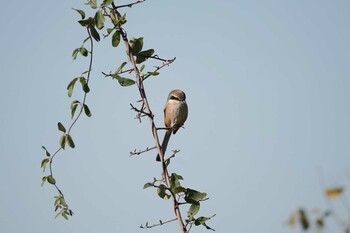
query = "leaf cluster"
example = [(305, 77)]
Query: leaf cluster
[(186, 196)]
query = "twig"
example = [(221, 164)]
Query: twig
[(157, 224), (166, 63), (77, 116), (128, 5), (141, 151), (142, 91)]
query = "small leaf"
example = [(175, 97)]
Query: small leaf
[(86, 22), (51, 180), (61, 127), (94, 33), (153, 73), (121, 67), (147, 53), (82, 13), (142, 67), (162, 192), (116, 38), (303, 219), (74, 106), (194, 208), (75, 53), (200, 221), (63, 141), (110, 30), (124, 82), (147, 185), (334, 192), (192, 196), (65, 215), (86, 39), (63, 202), (47, 153), (107, 2), (43, 163), (70, 141), (70, 87), (136, 45), (140, 59), (43, 180), (83, 51), (99, 20), (87, 110), (84, 85), (92, 4)]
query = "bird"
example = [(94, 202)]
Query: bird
[(175, 115)]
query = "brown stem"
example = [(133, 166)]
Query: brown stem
[(142, 91)]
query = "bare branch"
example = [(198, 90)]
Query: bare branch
[(129, 5), (141, 151), (166, 63), (157, 224)]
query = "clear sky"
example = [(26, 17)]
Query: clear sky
[(267, 85)]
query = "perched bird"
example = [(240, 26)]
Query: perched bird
[(175, 115)]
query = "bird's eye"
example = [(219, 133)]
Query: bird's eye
[(174, 98)]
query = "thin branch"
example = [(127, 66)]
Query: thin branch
[(166, 63), (141, 151), (157, 224), (76, 118), (128, 5), (142, 91)]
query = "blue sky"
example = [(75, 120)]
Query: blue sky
[(267, 88)]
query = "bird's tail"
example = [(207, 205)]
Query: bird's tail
[(165, 143)]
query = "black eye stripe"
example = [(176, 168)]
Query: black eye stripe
[(174, 98)]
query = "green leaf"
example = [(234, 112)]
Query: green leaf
[(86, 22), (75, 53), (200, 220), (63, 202), (162, 192), (47, 153), (153, 73), (63, 141), (116, 38), (92, 4), (142, 67), (194, 208), (83, 51), (86, 39), (175, 181), (122, 19), (94, 33), (124, 82), (147, 185), (74, 106), (84, 85), (107, 2), (192, 196), (110, 30), (61, 127), (147, 53), (51, 180), (43, 163), (70, 87), (136, 45), (65, 215), (70, 141), (87, 110), (99, 19), (43, 180), (82, 13), (121, 67), (140, 59)]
